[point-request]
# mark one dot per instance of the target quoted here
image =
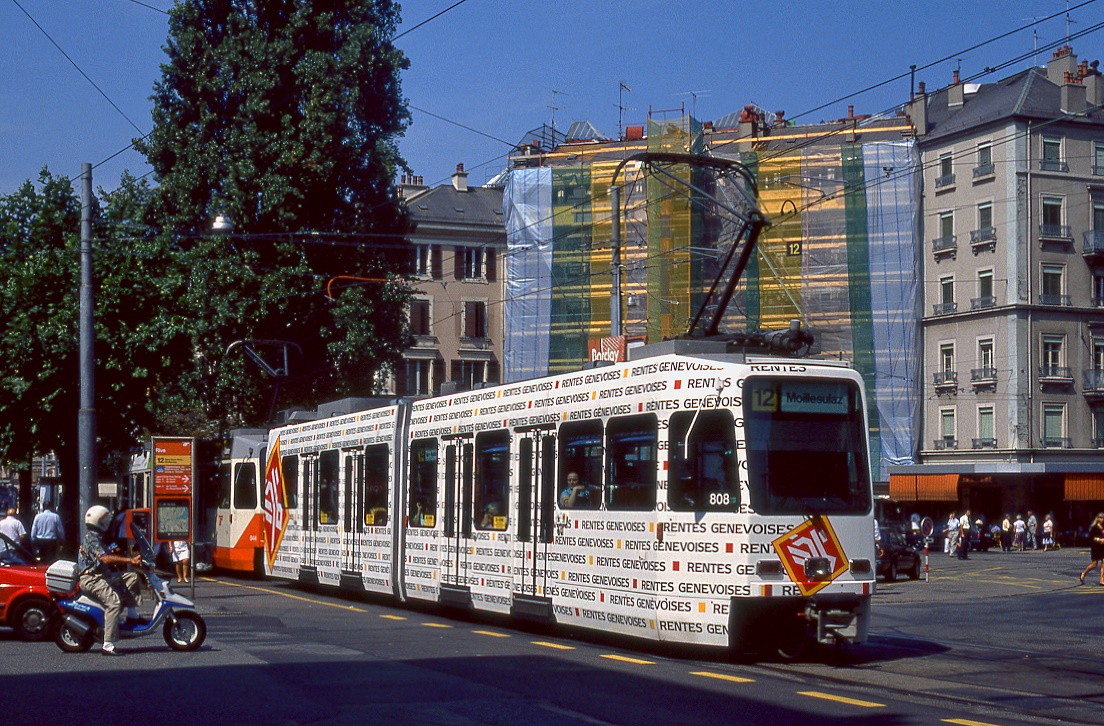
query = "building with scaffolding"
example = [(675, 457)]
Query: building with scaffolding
[(840, 254)]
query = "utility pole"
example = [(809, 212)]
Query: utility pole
[(86, 419), (615, 249)]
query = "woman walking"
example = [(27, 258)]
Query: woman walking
[(1096, 548)]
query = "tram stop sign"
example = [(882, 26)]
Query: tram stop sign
[(173, 488)]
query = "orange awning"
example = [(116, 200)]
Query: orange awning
[(923, 487), (1084, 487)]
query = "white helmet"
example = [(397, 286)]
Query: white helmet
[(98, 517)]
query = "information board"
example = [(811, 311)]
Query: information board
[(173, 488)]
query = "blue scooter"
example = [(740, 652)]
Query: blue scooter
[(81, 618)]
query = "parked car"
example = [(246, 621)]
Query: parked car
[(896, 554), (25, 603)]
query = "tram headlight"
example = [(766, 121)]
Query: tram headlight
[(817, 568), (860, 567)]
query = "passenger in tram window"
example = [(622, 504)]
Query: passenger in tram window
[(492, 518), (578, 495)]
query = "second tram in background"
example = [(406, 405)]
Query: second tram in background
[(687, 498)]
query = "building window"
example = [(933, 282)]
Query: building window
[(946, 357), (471, 263), (985, 298), (1098, 427), (985, 353), (1054, 425), (1052, 293), (946, 302), (1051, 226), (946, 175), (470, 373), (1098, 290), (1052, 358), (985, 215), (986, 433), (419, 317), (945, 242), (1098, 158), (422, 260), (985, 232), (1094, 378), (1094, 238), (1052, 155), (985, 160), (475, 320), (947, 434), (417, 377)]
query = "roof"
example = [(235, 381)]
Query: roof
[(480, 206)]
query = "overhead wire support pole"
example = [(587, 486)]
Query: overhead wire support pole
[(615, 250), (86, 417)]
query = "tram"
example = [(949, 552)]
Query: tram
[(714, 499)]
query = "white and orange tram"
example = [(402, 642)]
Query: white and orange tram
[(694, 499)]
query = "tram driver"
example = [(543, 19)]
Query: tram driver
[(577, 495)]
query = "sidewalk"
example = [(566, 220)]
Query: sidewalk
[(992, 574)]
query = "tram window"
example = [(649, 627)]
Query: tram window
[(702, 473), (631, 463), (329, 465), (492, 479), (374, 495), (289, 469), (245, 486), (423, 483), (354, 475), (581, 465), (224, 486), (806, 446)]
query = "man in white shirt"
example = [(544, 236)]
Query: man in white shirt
[(13, 528), (46, 532), (964, 527)]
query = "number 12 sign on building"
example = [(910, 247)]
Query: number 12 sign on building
[(173, 488)]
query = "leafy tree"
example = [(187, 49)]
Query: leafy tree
[(283, 117)]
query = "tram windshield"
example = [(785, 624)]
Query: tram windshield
[(806, 446), (703, 468)]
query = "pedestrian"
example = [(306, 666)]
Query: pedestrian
[(181, 557), (950, 542), (13, 528), (1006, 533), (964, 526), (46, 532), (1096, 548), (1032, 531), (1019, 530), (1048, 533)]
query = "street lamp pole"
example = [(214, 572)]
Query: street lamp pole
[(86, 418)]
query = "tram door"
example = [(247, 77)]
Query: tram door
[(536, 509), (350, 523), (458, 510), (310, 508)]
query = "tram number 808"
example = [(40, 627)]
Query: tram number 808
[(719, 499)]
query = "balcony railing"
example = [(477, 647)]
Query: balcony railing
[(983, 443), (945, 180), (1057, 442), (1098, 442), (945, 244), (983, 375), (983, 170), (1053, 165), (1056, 373), (1098, 170), (944, 308), (947, 442), (1052, 299), (1094, 380), (980, 303), (985, 234), (1094, 242), (1055, 231), (945, 378)]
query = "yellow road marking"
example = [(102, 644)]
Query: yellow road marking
[(626, 659), (841, 699), (967, 722), (393, 617), (491, 633), (557, 646), (436, 625), (722, 677), (292, 597)]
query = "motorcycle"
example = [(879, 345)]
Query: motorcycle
[(81, 618)]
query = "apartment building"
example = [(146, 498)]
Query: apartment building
[(456, 314), (1013, 293)]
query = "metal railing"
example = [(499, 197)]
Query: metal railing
[(985, 234), (1094, 380), (983, 375), (947, 442), (983, 443), (1053, 165), (1094, 242), (1057, 442), (1053, 299), (945, 180), (980, 303), (983, 170), (945, 244), (945, 308), (1055, 231), (1064, 373), (945, 378)]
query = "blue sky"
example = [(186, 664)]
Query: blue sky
[(492, 65)]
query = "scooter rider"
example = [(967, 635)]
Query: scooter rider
[(98, 580)]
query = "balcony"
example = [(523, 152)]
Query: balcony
[(947, 442), (1055, 232), (945, 245), (1098, 170), (945, 308), (983, 170), (1093, 251), (1055, 300), (1098, 443), (1094, 383), (983, 376), (983, 238), (1056, 374), (985, 301), (1057, 442), (1053, 165), (945, 180), (983, 443), (944, 380)]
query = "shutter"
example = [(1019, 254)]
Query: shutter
[(493, 375), (457, 370), (492, 271), (471, 323), (438, 376), (458, 262), (400, 379), (480, 320), (436, 266)]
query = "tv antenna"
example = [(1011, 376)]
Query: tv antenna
[(694, 96)]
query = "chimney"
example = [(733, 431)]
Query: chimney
[(1063, 61), (955, 93), (1073, 95), (918, 111), (460, 179), (749, 122), (1094, 84)]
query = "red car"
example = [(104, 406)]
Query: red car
[(25, 603)]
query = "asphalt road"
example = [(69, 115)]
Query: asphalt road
[(999, 639)]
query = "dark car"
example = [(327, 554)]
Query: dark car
[(25, 603), (896, 554)]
